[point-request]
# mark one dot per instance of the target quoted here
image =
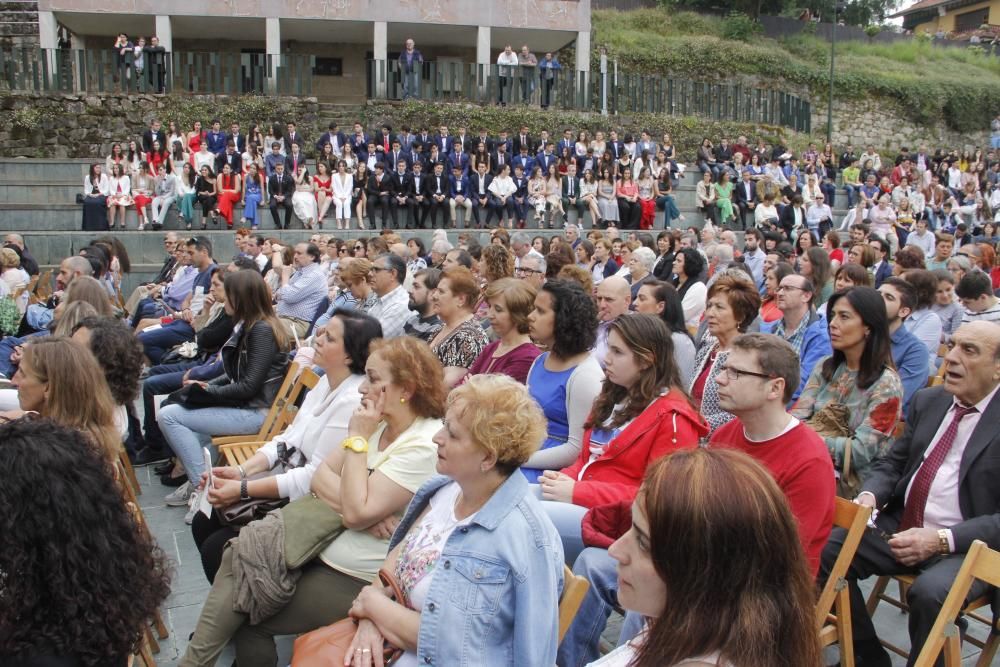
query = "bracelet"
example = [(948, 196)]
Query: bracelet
[(943, 546), (243, 473), (244, 493)]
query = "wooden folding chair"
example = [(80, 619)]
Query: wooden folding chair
[(238, 449), (904, 581), (129, 471), (833, 609), (43, 290), (574, 588), (980, 563)]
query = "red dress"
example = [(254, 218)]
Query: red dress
[(194, 143), (227, 199), (326, 186)]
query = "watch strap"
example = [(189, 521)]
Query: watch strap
[(244, 494)]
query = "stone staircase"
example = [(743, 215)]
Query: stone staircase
[(19, 23), (37, 200)]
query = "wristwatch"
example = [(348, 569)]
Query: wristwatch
[(355, 443), (244, 494), (943, 546)]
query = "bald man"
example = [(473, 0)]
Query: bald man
[(613, 298)]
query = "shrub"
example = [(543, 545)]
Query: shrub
[(739, 27)]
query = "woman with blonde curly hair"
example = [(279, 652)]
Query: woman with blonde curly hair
[(476, 528)]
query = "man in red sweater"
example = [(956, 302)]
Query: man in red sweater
[(794, 454)]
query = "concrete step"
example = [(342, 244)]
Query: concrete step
[(13, 169), (39, 192)]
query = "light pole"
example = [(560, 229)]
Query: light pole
[(838, 7)]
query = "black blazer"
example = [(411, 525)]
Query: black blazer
[(148, 139), (285, 186), (235, 162), (978, 491), (884, 271), (740, 195), (399, 184)]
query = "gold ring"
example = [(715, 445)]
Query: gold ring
[(366, 650)]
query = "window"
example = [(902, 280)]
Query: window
[(972, 20), (329, 67)]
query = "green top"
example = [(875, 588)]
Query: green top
[(723, 190), (851, 175)]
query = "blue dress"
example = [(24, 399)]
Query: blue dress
[(548, 388), (253, 199)]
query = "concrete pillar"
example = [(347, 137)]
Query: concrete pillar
[(48, 39), (273, 49), (380, 53), (483, 54), (165, 32), (582, 62)]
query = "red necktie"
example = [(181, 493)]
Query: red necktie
[(913, 512), (386, 143)]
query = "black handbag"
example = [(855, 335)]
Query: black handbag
[(243, 512)]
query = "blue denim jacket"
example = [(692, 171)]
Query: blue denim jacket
[(494, 595)]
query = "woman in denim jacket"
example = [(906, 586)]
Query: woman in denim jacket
[(475, 554)]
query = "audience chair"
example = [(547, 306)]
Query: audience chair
[(833, 609), (43, 289), (948, 613), (980, 563), (129, 471), (237, 449), (574, 588)]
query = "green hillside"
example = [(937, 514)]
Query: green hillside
[(960, 85)]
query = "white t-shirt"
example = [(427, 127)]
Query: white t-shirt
[(421, 550), (625, 654)]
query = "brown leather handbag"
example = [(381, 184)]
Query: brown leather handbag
[(328, 646)]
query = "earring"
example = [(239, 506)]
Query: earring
[(402, 399)]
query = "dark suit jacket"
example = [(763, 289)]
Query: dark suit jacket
[(359, 145), (443, 144), (466, 187), (740, 194), (517, 143), (884, 271), (235, 161), (399, 184), (431, 185), (380, 141), (392, 158), (285, 186), (461, 161), (240, 140), (978, 491), (491, 145), (148, 139), (576, 187), (327, 138), (474, 184), (374, 188), (297, 139), (544, 161), (615, 148), (506, 160)]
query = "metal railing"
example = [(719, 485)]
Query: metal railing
[(36, 70), (583, 91)]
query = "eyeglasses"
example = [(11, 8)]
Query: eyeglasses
[(785, 288), (524, 270), (735, 373)]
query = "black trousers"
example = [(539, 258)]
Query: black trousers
[(287, 204), (925, 597), (629, 213), (477, 207), (210, 536), (418, 212), (379, 202), (433, 208)]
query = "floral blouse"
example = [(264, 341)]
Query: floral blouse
[(874, 412), (461, 347)]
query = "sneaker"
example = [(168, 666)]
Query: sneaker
[(180, 496), (192, 507)]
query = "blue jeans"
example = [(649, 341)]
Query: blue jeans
[(147, 309), (567, 518), (852, 194), (159, 341), (188, 431), (7, 345), (161, 380), (580, 644), (668, 205)]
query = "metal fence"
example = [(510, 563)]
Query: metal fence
[(616, 93), (37, 70)]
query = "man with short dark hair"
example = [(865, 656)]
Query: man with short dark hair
[(935, 492), (882, 269), (281, 186), (302, 291), (800, 326), (424, 322), (910, 356), (975, 291), (755, 384), (457, 257), (392, 308)]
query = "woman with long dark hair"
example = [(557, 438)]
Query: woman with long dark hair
[(659, 298), (96, 189), (688, 561), (254, 358), (88, 578), (206, 194), (856, 387), (688, 267), (641, 414)]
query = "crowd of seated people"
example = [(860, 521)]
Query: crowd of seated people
[(488, 414)]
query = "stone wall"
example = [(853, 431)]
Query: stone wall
[(65, 126), (882, 122)]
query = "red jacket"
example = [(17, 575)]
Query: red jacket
[(668, 424)]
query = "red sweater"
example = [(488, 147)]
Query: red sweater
[(801, 465), (668, 424)]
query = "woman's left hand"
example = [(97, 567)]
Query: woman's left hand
[(556, 486), (223, 492), (366, 647), (367, 415), (371, 594)]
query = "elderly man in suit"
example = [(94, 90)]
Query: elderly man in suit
[(936, 491)]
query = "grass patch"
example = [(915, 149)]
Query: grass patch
[(960, 86)]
